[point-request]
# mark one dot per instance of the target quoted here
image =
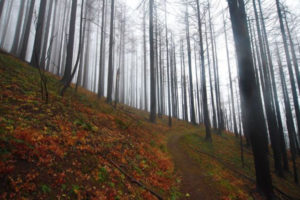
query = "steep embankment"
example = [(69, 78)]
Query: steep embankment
[(76, 146), (79, 147)]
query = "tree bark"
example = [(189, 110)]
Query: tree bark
[(152, 65), (36, 56), (15, 45), (192, 106), (250, 97), (70, 47), (110, 59), (203, 80)]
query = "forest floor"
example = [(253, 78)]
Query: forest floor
[(80, 147)]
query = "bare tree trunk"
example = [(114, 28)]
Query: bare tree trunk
[(203, 80), (230, 80), (87, 55), (27, 25), (192, 106), (289, 64), (145, 59), (197, 84), (81, 64), (7, 19), (36, 56), (277, 108), (157, 64), (46, 36), (211, 85), (168, 67), (15, 45), (185, 108), (289, 118), (54, 17), (293, 52), (252, 107), (161, 69), (102, 52), (63, 42), (217, 110), (70, 48), (152, 65), (110, 59), (1, 8), (271, 119)]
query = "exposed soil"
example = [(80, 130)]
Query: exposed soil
[(195, 184)]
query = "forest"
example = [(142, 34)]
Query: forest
[(149, 99)]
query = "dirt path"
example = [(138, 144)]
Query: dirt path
[(195, 185)]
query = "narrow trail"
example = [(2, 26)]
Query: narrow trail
[(195, 184)]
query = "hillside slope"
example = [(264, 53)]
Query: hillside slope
[(79, 147), (76, 146)]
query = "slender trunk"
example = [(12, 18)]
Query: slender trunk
[(168, 67), (54, 20), (15, 45), (110, 59), (230, 80), (1, 8), (87, 56), (289, 118), (276, 102), (7, 19), (217, 110), (152, 65), (289, 64), (192, 106), (102, 47), (70, 47), (36, 56), (211, 85), (145, 59), (197, 85), (271, 119), (46, 36), (203, 80)]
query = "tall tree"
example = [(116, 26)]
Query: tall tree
[(289, 63), (46, 35), (275, 95), (18, 29), (192, 109), (252, 108), (1, 8), (7, 19), (27, 31), (184, 90), (235, 130), (289, 117), (36, 55), (293, 52), (70, 47), (214, 116), (268, 100), (203, 79), (152, 65), (145, 58), (102, 52), (110, 58)]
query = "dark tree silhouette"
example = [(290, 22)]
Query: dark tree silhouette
[(252, 108)]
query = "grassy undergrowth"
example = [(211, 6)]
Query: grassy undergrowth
[(72, 147), (221, 161)]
